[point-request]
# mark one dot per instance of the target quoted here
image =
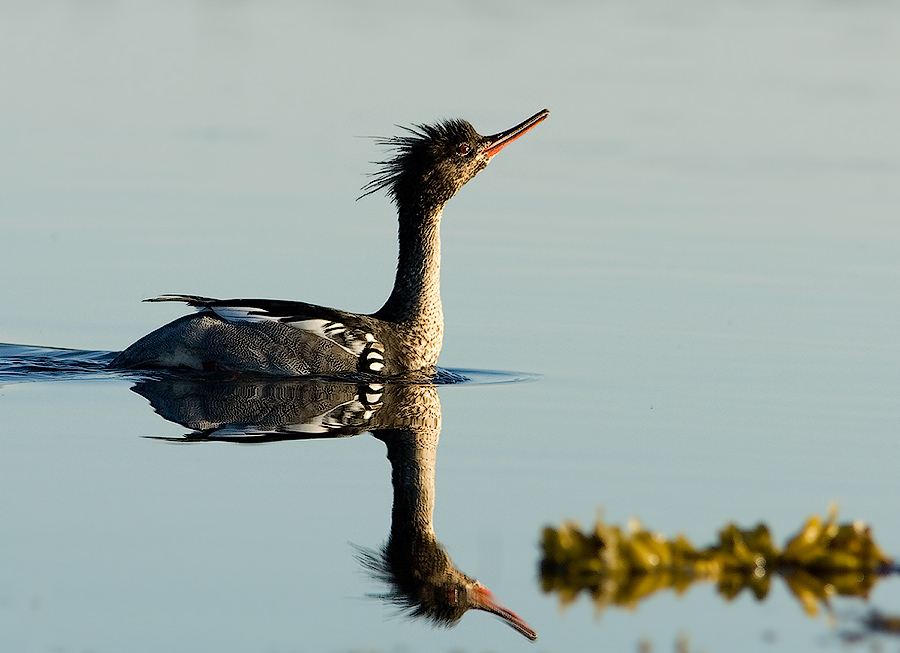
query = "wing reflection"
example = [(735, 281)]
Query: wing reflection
[(263, 411), (422, 579)]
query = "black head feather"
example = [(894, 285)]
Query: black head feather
[(431, 588), (431, 163)]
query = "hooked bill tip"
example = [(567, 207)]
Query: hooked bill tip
[(501, 140), (485, 601)]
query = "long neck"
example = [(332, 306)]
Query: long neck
[(415, 302), (416, 297), (412, 449), (412, 459)]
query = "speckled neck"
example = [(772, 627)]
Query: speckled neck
[(415, 302)]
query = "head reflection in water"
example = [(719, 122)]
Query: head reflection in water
[(435, 589), (422, 579)]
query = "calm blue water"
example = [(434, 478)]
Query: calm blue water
[(697, 255)]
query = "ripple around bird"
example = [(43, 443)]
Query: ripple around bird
[(20, 363)]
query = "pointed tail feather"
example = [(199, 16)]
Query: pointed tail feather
[(191, 300)]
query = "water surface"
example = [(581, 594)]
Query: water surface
[(696, 257)]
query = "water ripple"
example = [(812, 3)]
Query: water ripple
[(21, 363)]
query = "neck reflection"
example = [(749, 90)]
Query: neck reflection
[(421, 578)]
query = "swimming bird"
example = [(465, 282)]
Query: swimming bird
[(430, 164)]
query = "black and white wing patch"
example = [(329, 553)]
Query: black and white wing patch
[(356, 340)]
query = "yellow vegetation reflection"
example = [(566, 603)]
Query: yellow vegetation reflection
[(622, 567)]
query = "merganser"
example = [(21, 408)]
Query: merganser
[(431, 163)]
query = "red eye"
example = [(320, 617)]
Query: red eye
[(464, 148)]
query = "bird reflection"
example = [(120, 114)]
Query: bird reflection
[(421, 577)]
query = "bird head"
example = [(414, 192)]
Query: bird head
[(432, 162)]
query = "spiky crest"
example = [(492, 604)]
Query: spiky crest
[(420, 152)]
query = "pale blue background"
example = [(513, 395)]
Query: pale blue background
[(699, 252)]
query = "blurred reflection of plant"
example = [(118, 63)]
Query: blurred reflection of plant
[(682, 645), (869, 626), (621, 568)]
